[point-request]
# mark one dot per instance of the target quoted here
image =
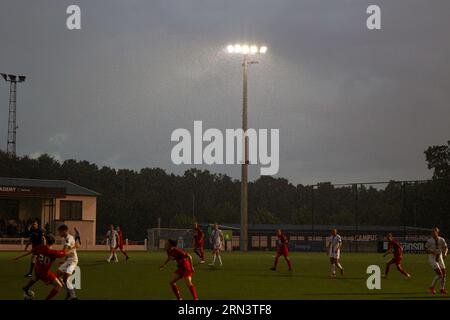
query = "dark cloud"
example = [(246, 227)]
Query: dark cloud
[(351, 104)]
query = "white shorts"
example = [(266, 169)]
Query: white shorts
[(68, 266), (436, 263), (217, 246), (335, 254), (112, 245)]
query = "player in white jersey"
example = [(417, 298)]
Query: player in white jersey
[(437, 251), (217, 242), (66, 270), (111, 241), (334, 252)]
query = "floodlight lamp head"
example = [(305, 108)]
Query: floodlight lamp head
[(246, 49)]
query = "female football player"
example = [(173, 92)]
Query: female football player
[(185, 268)]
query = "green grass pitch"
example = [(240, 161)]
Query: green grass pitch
[(243, 276)]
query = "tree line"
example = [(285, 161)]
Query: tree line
[(136, 199)]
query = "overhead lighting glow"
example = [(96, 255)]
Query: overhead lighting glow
[(246, 49)]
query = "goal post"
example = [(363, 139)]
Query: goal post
[(157, 238)]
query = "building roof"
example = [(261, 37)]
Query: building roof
[(308, 227), (69, 187)]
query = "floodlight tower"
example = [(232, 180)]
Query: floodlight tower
[(248, 52), (12, 123)]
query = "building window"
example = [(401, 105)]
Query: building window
[(235, 242), (71, 210), (274, 240), (263, 241), (255, 241)]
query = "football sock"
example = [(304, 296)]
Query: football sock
[(435, 279), (333, 268), (339, 266), (402, 271), (202, 254), (220, 259), (115, 257), (289, 264), (176, 291), (31, 267), (110, 257), (275, 262), (69, 283), (388, 265), (214, 259), (193, 292), (52, 293), (443, 282)]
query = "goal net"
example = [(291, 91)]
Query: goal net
[(157, 238)]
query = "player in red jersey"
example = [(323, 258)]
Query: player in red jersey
[(395, 248), (185, 269), (199, 242), (282, 250), (45, 258), (120, 243)]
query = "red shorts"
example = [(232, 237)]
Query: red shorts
[(119, 246), (199, 244), (185, 273), (184, 270), (45, 276), (283, 251)]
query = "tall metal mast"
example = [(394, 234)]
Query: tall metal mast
[(12, 113)]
